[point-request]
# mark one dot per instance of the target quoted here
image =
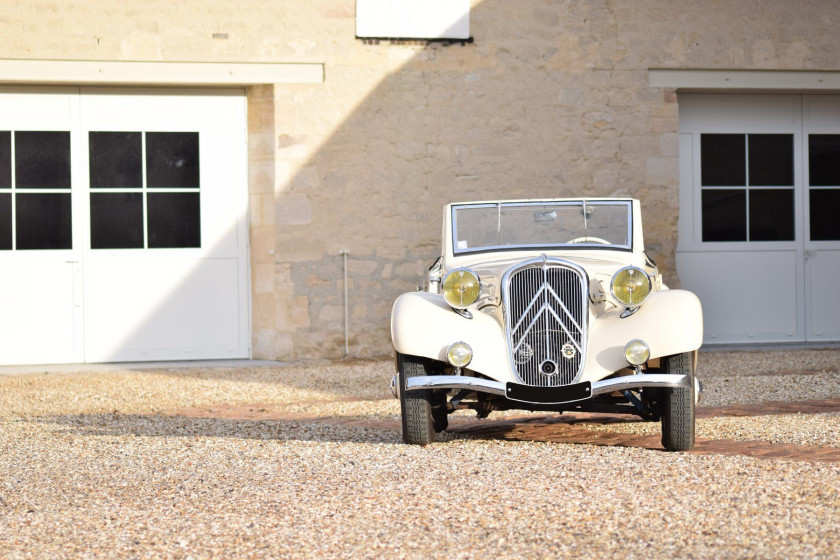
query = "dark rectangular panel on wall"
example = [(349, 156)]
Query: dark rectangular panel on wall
[(723, 215), (722, 161), (116, 160), (43, 221), (42, 160), (116, 220)]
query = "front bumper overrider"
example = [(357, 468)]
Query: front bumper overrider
[(545, 395)]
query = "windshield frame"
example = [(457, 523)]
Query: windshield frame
[(626, 202)]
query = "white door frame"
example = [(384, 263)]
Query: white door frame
[(33, 332), (759, 289), (41, 290)]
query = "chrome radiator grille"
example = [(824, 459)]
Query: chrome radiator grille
[(545, 307)]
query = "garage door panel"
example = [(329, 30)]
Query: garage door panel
[(38, 108), (822, 114), (41, 303), (732, 113), (162, 308), (183, 293), (183, 108), (746, 297), (822, 272), (221, 236), (781, 199), (134, 245)]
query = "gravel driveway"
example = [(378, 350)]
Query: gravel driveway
[(305, 461)]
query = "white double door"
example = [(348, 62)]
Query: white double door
[(759, 232), (123, 229)]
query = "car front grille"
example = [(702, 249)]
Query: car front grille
[(546, 317)]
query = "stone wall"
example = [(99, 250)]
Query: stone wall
[(552, 99)]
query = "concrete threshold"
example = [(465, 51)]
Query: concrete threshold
[(770, 346), (137, 366)]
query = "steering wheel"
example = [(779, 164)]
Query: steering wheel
[(590, 240)]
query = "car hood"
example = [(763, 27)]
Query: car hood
[(595, 263)]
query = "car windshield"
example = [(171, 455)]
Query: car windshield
[(513, 225)]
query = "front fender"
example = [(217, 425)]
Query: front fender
[(669, 321), (422, 324)]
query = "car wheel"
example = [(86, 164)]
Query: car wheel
[(678, 405), (417, 422)]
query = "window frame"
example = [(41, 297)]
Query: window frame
[(146, 191), (747, 189)]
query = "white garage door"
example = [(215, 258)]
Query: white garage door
[(122, 225), (759, 234)]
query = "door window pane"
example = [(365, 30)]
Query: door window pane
[(43, 221), (724, 212), (116, 221), (172, 160), (771, 215), (42, 160), (722, 160), (771, 160), (172, 217), (5, 159), (824, 160), (825, 225), (5, 221), (751, 162), (115, 160), (174, 220)]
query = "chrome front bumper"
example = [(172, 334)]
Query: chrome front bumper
[(500, 388)]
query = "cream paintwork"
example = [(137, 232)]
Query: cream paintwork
[(670, 321), (422, 324)]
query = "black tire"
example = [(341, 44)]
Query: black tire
[(417, 423), (678, 405)]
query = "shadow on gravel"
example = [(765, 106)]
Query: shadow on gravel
[(560, 429), (356, 377), (163, 426), (556, 430)]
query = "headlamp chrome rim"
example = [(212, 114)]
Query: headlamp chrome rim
[(637, 352), (646, 287), (459, 354), (461, 288)]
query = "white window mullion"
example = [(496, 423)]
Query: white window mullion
[(13, 191), (747, 183), (144, 191)]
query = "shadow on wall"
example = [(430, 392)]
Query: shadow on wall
[(544, 103)]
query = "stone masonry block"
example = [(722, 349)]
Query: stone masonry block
[(263, 278), (663, 171), (293, 209)]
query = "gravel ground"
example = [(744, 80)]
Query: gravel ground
[(819, 430), (96, 465), (741, 377), (731, 378)]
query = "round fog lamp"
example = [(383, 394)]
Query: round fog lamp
[(459, 354), (637, 352), (461, 288)]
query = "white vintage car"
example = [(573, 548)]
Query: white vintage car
[(548, 305)]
